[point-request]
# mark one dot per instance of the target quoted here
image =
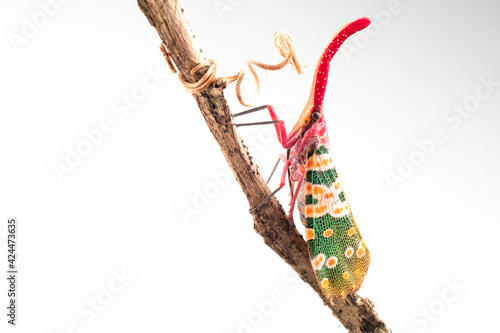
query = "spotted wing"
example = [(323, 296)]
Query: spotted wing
[(338, 254)]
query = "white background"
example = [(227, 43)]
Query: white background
[(154, 200)]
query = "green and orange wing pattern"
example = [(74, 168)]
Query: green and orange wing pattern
[(338, 254)]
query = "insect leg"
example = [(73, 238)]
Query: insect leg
[(281, 158), (256, 123), (289, 176), (262, 107), (265, 200), (279, 125), (282, 184), (274, 169), (302, 173)]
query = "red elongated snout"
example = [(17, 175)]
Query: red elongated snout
[(314, 104)]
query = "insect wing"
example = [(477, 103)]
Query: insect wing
[(338, 254)]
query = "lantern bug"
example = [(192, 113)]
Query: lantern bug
[(338, 255)]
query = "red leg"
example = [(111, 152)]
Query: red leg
[(302, 172), (279, 125), (283, 174), (281, 130)]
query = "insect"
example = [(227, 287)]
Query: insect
[(338, 254)]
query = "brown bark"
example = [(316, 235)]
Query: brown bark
[(357, 314)]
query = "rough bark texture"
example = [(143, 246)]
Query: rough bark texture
[(357, 314)]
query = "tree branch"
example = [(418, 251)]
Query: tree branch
[(357, 314)]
